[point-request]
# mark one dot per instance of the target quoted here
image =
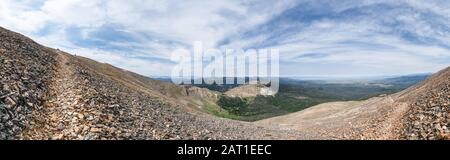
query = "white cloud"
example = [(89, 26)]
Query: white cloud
[(20, 16), (75, 12), (376, 40)]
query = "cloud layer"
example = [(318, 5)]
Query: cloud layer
[(326, 37)]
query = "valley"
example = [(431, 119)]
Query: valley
[(240, 102)]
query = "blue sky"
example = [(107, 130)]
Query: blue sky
[(315, 37)]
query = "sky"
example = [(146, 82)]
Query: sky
[(315, 37)]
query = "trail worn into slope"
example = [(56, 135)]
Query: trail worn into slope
[(63, 114)]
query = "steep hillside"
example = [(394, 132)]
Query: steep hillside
[(429, 116), (176, 95), (26, 69), (49, 94)]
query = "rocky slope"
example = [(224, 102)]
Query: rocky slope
[(25, 70), (49, 94), (429, 115)]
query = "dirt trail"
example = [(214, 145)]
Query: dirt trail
[(59, 116)]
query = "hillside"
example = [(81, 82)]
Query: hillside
[(49, 94), (429, 115)]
